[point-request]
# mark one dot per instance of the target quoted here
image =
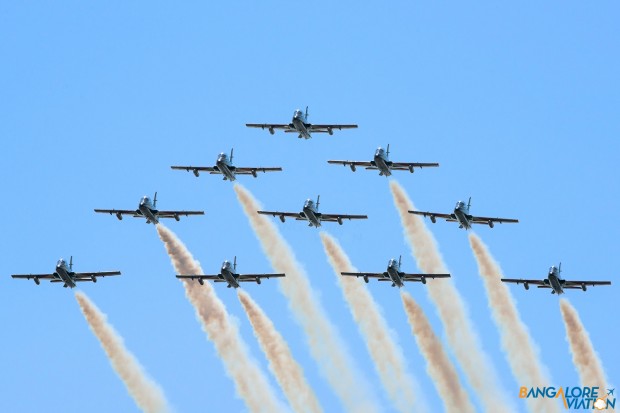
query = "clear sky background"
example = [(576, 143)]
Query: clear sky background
[(517, 102)]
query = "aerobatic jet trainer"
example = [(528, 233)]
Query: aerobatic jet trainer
[(300, 125), (224, 166), (382, 163), (555, 282), (65, 274), (310, 213), (228, 275), (148, 209), (394, 274), (463, 217)]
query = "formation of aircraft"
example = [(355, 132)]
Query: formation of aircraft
[(555, 282), (310, 213), (65, 274), (382, 163), (395, 275), (463, 217), (224, 166), (148, 209), (300, 125), (229, 275)]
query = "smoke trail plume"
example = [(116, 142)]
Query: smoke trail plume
[(145, 392), (585, 358), (386, 354), (325, 344), (452, 310), (288, 372), (521, 351), (438, 365), (251, 384)]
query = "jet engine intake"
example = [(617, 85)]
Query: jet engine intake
[(119, 216)]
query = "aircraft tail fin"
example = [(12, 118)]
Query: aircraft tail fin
[(399, 260), (317, 202), (306, 113), (235, 264), (71, 263), (155, 200), (387, 154), (469, 203), (231, 154), (560, 268)]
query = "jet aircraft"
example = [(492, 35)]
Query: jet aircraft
[(382, 163), (310, 213), (65, 274), (147, 209), (228, 275), (224, 166), (300, 125), (555, 282), (394, 274), (463, 217)]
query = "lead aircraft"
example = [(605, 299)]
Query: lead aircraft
[(224, 166), (394, 274), (65, 274), (382, 163), (300, 125), (310, 213), (463, 217), (228, 275), (555, 282), (147, 209)]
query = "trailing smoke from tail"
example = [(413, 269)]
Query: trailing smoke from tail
[(438, 365), (585, 358), (521, 351), (251, 384), (452, 310), (325, 344), (386, 354), (146, 393), (288, 372)]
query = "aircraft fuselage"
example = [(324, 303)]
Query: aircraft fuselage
[(554, 281), (147, 209), (381, 162), (461, 211), (229, 275), (225, 167), (299, 123), (311, 214), (64, 274), (393, 271)]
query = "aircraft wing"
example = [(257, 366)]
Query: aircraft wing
[(88, 276), (485, 220), (282, 214), (540, 283), (408, 166), (338, 217), (199, 276), (418, 277), (365, 274), (327, 128), (30, 276), (351, 163), (434, 214), (252, 171), (133, 212), (194, 168), (578, 284), (253, 277), (175, 214), (270, 126)]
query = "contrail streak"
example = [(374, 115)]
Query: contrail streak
[(585, 358), (145, 392), (325, 344), (521, 351), (438, 365), (386, 354), (452, 310), (288, 372), (250, 382)]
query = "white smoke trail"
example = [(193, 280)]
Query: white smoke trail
[(521, 351), (325, 344), (438, 365), (385, 352), (452, 310), (145, 392), (288, 372), (250, 382), (585, 358)]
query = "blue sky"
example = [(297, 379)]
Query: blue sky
[(517, 102)]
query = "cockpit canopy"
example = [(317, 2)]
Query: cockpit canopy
[(460, 205), (553, 269), (380, 151), (226, 264), (309, 203), (392, 263), (222, 157), (61, 263), (298, 113), (145, 200)]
